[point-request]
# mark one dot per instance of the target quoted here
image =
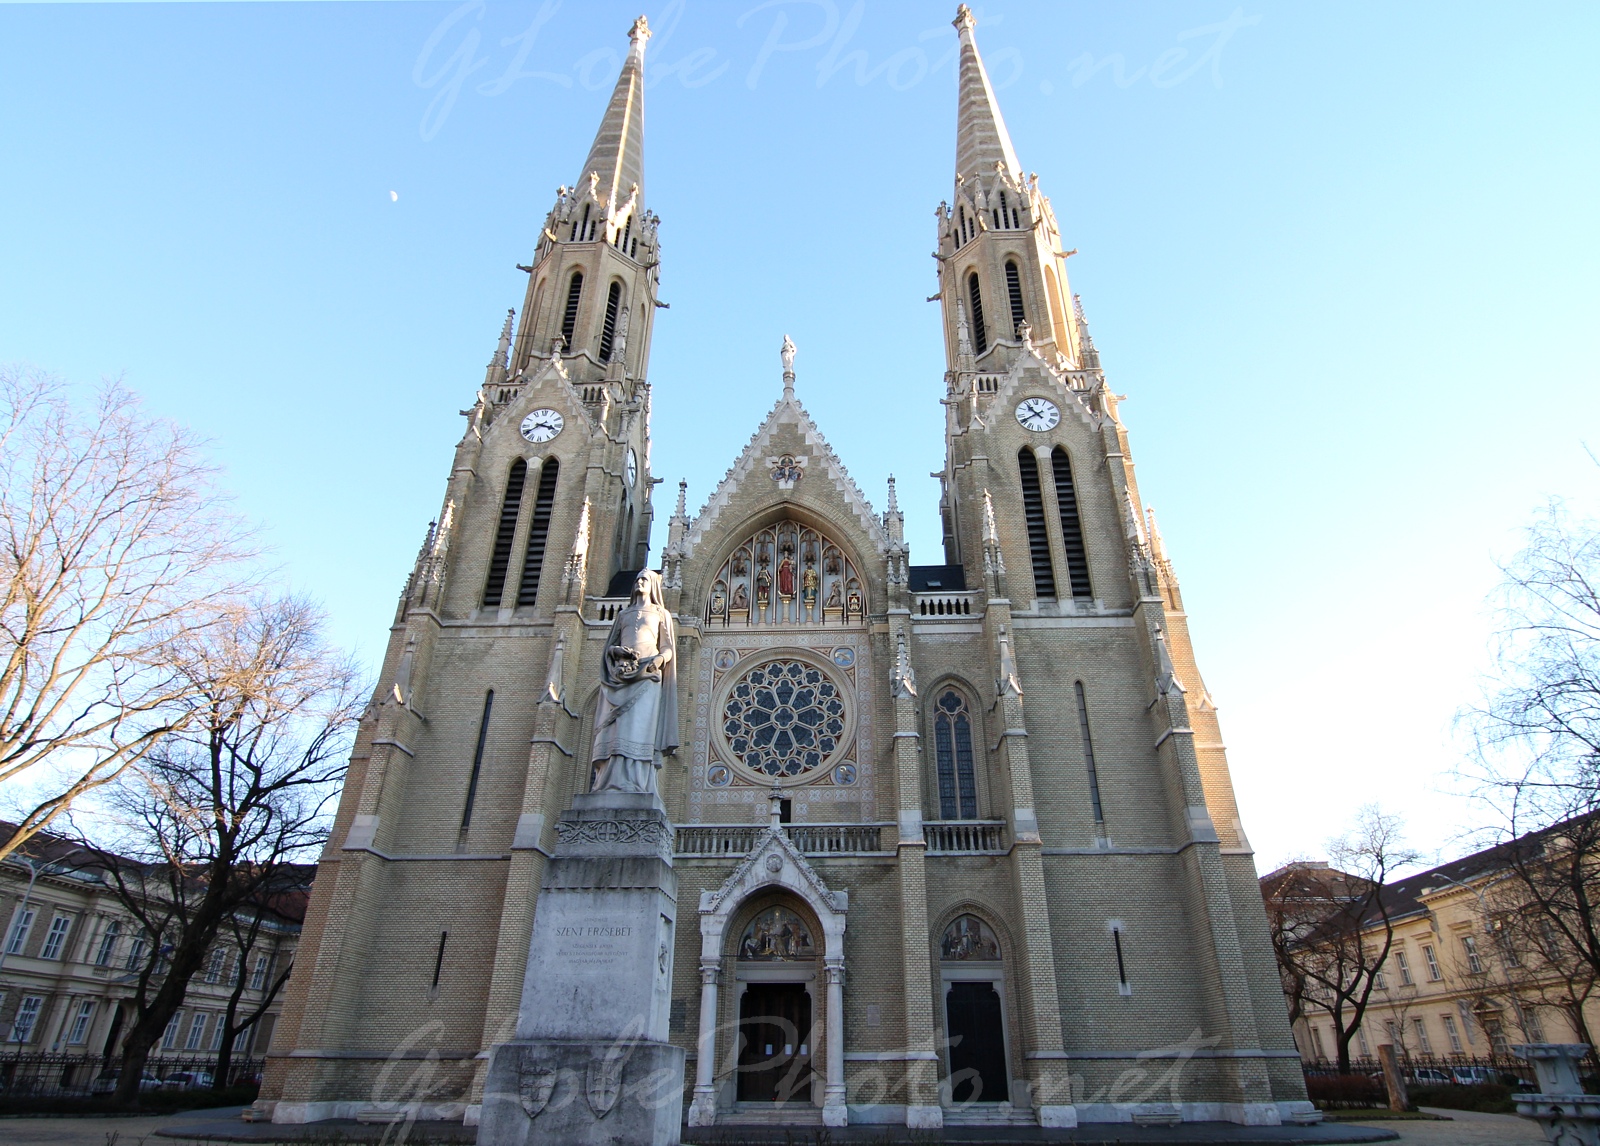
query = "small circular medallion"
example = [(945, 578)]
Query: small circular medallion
[(844, 658), (845, 774), (719, 776)]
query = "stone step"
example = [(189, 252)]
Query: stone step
[(772, 1114), (988, 1114)]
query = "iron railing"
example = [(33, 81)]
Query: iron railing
[(49, 1075)]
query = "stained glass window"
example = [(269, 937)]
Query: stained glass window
[(952, 739), (784, 718)]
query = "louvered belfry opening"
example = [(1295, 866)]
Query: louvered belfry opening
[(1044, 577), (608, 333), (1071, 527), (538, 533), (1014, 294), (500, 561), (980, 337), (569, 320)]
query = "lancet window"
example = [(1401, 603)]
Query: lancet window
[(500, 559), (1044, 576), (1071, 527), (1014, 296), (787, 574), (608, 332), (980, 337), (952, 742), (538, 533), (569, 319)]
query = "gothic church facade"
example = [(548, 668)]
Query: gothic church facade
[(954, 842)]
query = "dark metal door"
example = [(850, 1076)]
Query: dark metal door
[(774, 1043), (977, 1044)]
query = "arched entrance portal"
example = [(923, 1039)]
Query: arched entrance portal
[(775, 966), (777, 931), (973, 978)]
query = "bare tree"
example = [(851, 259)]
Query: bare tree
[(246, 930), (1331, 926), (228, 807), (114, 543), (1536, 764)]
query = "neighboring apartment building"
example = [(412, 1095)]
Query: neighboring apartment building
[(70, 956), (1458, 981)]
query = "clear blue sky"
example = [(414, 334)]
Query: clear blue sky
[(1341, 257)]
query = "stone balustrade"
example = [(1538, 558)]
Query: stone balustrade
[(965, 837), (945, 604), (738, 840)]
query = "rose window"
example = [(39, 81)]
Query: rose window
[(784, 718)]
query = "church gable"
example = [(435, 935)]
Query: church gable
[(787, 463)]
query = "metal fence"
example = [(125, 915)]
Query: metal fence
[(1448, 1070), (24, 1074)]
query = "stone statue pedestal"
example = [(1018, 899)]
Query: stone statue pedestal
[(590, 1064), (1568, 1116)]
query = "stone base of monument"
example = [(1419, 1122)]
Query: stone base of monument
[(1568, 1116), (582, 1092), (590, 1064)]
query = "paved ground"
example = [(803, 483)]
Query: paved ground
[(1463, 1129), (1467, 1129)]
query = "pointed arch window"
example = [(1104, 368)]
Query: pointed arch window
[(952, 742), (1044, 576), (980, 336), (1071, 527), (1014, 295), (500, 559), (608, 332), (569, 318), (538, 533)]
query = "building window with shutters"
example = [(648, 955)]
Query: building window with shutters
[(1451, 1032), (1421, 1029), (108, 943), (1469, 948), (169, 1037), (197, 1032), (21, 924), (1432, 960), (952, 742), (27, 1017), (1403, 965), (79, 1032), (56, 940)]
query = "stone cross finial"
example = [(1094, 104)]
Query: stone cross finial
[(639, 34)]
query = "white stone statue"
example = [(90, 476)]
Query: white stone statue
[(637, 720), (788, 355)]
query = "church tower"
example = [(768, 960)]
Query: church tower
[(951, 843)]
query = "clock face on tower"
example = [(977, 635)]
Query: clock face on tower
[(541, 425), (1038, 414), (631, 469)]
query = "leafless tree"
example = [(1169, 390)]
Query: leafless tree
[(1536, 764), (114, 543), (226, 809), (244, 934), (1330, 924)]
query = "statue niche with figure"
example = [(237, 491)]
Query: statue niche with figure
[(637, 720)]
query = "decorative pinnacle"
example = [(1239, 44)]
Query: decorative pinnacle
[(682, 509), (638, 35), (787, 353), (894, 501), (991, 535), (502, 351)]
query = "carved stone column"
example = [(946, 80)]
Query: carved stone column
[(834, 1110), (703, 1108)]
